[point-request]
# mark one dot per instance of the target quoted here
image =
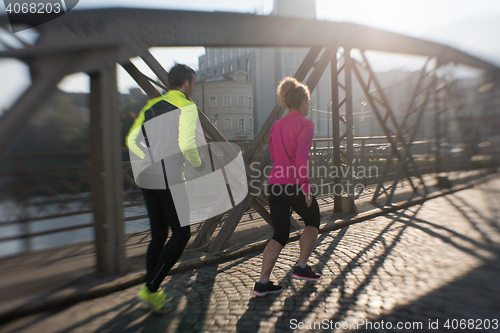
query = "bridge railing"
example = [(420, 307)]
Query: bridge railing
[(45, 198)]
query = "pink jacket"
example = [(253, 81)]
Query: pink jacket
[(289, 143)]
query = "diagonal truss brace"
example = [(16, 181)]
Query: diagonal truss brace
[(263, 159), (262, 137), (212, 134), (253, 154), (418, 111), (389, 115)]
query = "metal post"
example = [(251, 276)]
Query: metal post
[(363, 160), (336, 162), (437, 132), (106, 171), (349, 129), (328, 108), (314, 160)]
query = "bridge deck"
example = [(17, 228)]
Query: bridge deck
[(395, 266)]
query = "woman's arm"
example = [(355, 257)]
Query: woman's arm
[(302, 157)]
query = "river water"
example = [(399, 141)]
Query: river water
[(13, 247), (10, 211)]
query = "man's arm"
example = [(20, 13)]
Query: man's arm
[(131, 139), (187, 134)]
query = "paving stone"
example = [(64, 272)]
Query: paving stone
[(436, 263)]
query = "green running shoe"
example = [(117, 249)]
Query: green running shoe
[(156, 299)]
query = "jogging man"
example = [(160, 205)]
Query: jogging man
[(162, 137)]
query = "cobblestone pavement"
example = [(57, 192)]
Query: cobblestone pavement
[(428, 265)]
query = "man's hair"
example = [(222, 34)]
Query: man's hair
[(179, 74)]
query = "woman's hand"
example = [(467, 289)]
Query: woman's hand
[(309, 198)]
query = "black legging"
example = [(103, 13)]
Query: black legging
[(162, 257), (281, 198)]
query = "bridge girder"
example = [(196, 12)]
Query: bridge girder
[(137, 29)]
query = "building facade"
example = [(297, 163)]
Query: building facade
[(266, 67), (228, 101)]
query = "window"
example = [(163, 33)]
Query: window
[(239, 52), (222, 70), (248, 66), (208, 63), (202, 66), (250, 124), (214, 121), (250, 102), (241, 100), (215, 72), (230, 54), (283, 73), (231, 67), (226, 100), (222, 55), (213, 101), (241, 125), (228, 124), (289, 58), (290, 72), (215, 57)]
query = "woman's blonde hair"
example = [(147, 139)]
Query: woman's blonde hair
[(292, 93)]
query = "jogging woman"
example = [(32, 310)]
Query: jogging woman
[(288, 185)]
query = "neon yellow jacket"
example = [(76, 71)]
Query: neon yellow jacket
[(188, 118)]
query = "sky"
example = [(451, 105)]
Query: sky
[(470, 26)]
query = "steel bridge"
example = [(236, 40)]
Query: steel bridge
[(94, 41)]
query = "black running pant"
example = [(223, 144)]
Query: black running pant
[(162, 257), (281, 199)]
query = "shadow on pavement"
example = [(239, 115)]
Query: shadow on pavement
[(299, 304), (470, 302), (261, 307), (193, 298)]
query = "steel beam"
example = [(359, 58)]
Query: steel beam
[(411, 130), (205, 233), (389, 115), (348, 135), (349, 126), (141, 79), (156, 67), (262, 137), (91, 29), (264, 159), (209, 226), (47, 72), (106, 171), (336, 105), (440, 124)]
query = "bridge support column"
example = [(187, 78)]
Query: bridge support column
[(343, 204), (106, 171)]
